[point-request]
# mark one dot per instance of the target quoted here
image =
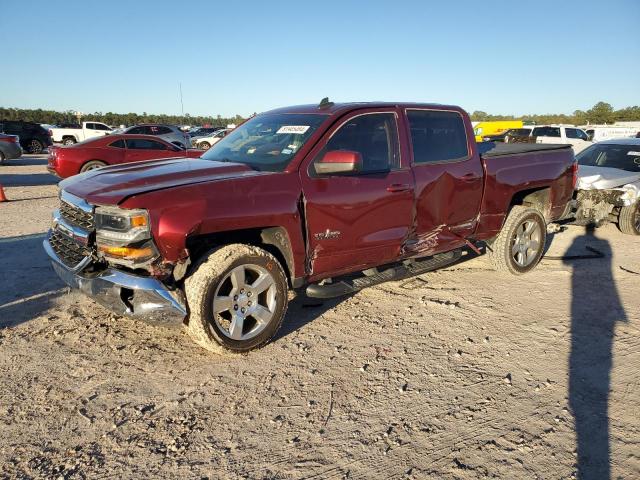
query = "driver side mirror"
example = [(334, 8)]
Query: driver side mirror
[(339, 161)]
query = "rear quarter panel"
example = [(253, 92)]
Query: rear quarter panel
[(508, 175)]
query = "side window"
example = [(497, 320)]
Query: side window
[(162, 130), (136, 131), (144, 144), (554, 132), (151, 130), (582, 135), (571, 133), (374, 136), (100, 126), (117, 144), (91, 126), (437, 136)]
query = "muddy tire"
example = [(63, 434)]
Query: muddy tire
[(92, 165), (237, 298), (520, 244), (629, 219)]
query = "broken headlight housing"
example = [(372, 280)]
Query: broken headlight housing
[(630, 194), (124, 236)]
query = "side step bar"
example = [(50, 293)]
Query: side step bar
[(345, 287)]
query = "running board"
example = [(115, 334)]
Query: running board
[(416, 267)]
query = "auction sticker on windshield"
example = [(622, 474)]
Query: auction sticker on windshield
[(633, 154), (298, 129)]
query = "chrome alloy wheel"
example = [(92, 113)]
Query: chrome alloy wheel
[(526, 243), (244, 302)]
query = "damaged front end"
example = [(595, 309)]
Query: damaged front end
[(595, 207)]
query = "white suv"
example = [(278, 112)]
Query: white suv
[(205, 143), (576, 137), (169, 133)]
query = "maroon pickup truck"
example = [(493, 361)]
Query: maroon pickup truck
[(334, 197)]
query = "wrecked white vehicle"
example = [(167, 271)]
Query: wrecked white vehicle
[(608, 188)]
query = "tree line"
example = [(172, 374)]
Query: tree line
[(53, 117), (599, 114)]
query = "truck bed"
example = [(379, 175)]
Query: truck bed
[(495, 149), (509, 166)]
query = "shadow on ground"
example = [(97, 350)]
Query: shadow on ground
[(595, 310), (28, 284)]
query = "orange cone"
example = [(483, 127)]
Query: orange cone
[(3, 197)]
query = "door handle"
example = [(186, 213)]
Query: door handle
[(398, 187)]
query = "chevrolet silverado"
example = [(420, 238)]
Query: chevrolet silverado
[(331, 197)]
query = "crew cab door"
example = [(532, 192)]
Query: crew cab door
[(448, 180), (361, 218), (139, 149)]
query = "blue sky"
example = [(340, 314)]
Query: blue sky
[(237, 57)]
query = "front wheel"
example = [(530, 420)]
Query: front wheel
[(237, 298), (520, 244), (69, 141), (629, 219)]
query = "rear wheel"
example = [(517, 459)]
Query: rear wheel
[(520, 244), (92, 165), (204, 145), (629, 219), (35, 146), (69, 141), (237, 299)]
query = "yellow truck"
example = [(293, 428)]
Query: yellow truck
[(483, 129)]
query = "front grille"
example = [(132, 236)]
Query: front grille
[(77, 216), (69, 251)]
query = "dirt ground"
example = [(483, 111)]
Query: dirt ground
[(460, 373)]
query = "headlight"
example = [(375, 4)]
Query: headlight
[(124, 236)]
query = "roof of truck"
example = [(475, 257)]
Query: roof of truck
[(339, 108)]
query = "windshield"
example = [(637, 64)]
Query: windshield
[(624, 157), (266, 142)]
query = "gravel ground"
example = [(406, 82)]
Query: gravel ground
[(460, 373)]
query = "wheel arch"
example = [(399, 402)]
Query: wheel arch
[(274, 240), (538, 198)]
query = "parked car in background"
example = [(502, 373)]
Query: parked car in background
[(9, 147), (203, 131), (607, 132), (68, 135), (358, 193), (608, 188), (33, 138), (505, 136), (205, 143), (169, 133), (111, 150), (483, 129), (562, 134)]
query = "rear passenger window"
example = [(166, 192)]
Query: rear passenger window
[(437, 136), (117, 144), (136, 131), (546, 132), (143, 144)]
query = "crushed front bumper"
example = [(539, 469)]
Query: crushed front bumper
[(142, 297)]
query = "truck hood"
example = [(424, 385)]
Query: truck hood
[(602, 178), (113, 185)]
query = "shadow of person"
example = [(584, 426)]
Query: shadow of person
[(595, 309)]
